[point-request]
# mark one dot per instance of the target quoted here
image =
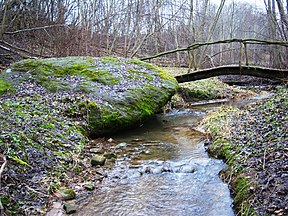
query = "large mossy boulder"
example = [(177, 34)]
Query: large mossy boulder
[(49, 106), (104, 95)]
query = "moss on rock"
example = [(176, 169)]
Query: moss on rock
[(119, 93)]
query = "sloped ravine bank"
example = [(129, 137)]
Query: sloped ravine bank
[(48, 110), (254, 143)]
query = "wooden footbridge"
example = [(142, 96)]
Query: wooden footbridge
[(240, 69), (268, 73)]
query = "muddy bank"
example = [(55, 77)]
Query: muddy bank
[(253, 141)]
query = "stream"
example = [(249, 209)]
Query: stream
[(164, 170)]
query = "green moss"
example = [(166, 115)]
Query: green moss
[(46, 72), (47, 125), (241, 189), (122, 114), (165, 75), (110, 119), (221, 148), (159, 71), (111, 59), (86, 87), (133, 71), (92, 107), (103, 121), (67, 193), (53, 187), (77, 110), (142, 63), (102, 76), (146, 106), (11, 206), (100, 118), (60, 154), (5, 86), (189, 94), (5, 200), (241, 196), (202, 89)]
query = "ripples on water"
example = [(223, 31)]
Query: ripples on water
[(173, 175)]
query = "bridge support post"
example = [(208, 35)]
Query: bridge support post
[(246, 54)]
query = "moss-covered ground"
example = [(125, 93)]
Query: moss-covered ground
[(253, 141)]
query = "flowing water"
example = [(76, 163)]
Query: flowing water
[(164, 170)]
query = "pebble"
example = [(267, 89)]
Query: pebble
[(70, 207), (98, 160)]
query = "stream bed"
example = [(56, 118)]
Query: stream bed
[(164, 170)]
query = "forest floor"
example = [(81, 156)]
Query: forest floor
[(253, 141)]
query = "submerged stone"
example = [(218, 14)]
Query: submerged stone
[(105, 94)]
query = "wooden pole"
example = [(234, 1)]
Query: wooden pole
[(246, 55), (240, 55)]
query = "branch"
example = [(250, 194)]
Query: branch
[(200, 44), (36, 28), (14, 49), (153, 32)]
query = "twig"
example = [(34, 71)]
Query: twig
[(2, 167), (31, 189), (1, 171), (264, 159)]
